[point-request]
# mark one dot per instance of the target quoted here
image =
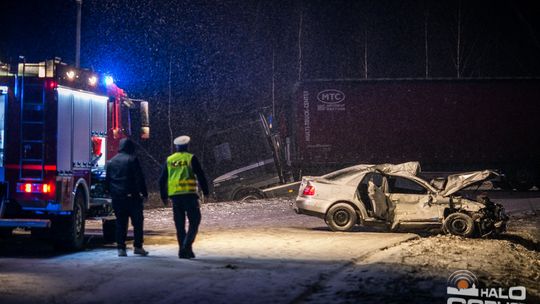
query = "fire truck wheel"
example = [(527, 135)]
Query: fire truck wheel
[(68, 232)]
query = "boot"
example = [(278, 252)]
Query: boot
[(122, 253), (182, 254), (140, 251), (189, 253)]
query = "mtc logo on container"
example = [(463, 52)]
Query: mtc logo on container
[(331, 96), (331, 100)]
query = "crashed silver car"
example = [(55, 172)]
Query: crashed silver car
[(394, 196)]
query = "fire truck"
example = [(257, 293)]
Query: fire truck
[(58, 127)]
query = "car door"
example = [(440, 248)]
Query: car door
[(410, 201), (371, 193)]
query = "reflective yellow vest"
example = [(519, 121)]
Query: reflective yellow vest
[(181, 177)]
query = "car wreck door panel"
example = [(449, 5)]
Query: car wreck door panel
[(371, 193), (378, 199), (410, 201)]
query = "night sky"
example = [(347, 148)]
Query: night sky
[(232, 43), (223, 55)]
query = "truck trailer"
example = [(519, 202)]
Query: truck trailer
[(58, 127), (448, 125)]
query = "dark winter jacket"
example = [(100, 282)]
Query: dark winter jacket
[(124, 174), (199, 173)]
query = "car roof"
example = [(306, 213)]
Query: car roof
[(354, 173), (411, 168)]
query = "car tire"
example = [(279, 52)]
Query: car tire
[(248, 195), (459, 224), (341, 217)]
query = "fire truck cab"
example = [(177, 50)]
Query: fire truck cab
[(58, 127)]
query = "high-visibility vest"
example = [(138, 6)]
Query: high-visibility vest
[(181, 179)]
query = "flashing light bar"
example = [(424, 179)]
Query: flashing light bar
[(109, 80), (34, 188)]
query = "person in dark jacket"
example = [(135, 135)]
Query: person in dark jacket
[(127, 187), (180, 179)]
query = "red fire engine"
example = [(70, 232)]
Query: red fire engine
[(58, 127)]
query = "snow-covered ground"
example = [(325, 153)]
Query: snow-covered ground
[(417, 271), (262, 252)]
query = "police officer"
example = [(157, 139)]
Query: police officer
[(180, 178), (127, 187)]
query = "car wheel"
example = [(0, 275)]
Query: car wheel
[(459, 224), (341, 217), (248, 195)]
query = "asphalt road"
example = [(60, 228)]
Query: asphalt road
[(253, 265), (259, 252)]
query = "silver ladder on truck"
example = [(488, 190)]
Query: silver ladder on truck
[(32, 131)]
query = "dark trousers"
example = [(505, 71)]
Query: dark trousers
[(124, 209), (186, 205)]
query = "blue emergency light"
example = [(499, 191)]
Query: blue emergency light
[(109, 80)]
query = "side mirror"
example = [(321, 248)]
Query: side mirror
[(145, 120)]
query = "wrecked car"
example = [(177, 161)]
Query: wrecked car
[(396, 197)]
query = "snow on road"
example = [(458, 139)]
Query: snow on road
[(263, 266), (239, 260), (261, 252)]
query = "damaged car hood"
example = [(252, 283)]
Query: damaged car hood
[(456, 182)]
